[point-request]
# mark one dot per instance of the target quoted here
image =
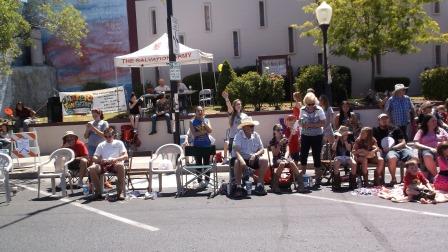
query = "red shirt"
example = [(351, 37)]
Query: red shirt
[(293, 140), (409, 178), (80, 149), (296, 112)]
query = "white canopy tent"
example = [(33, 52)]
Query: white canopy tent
[(157, 54)]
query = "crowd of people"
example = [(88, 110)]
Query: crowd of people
[(415, 137)]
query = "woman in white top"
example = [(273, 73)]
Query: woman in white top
[(235, 113)]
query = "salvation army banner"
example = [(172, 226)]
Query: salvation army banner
[(80, 103)]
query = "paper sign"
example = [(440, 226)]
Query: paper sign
[(175, 71), (23, 145)]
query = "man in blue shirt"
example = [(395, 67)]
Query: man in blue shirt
[(400, 108)]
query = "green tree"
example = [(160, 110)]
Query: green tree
[(58, 17), (365, 29), (226, 76), (12, 27)]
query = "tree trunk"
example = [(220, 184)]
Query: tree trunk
[(372, 73)]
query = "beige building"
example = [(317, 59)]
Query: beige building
[(242, 30)]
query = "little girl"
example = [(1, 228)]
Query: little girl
[(441, 180), (278, 146), (342, 147), (292, 132), (365, 150), (416, 186)]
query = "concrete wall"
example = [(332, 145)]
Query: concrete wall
[(230, 15), (33, 85), (50, 137)]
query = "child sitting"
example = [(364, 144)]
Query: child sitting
[(342, 147), (441, 180), (278, 146), (416, 186), (365, 150)]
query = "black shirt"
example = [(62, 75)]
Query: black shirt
[(393, 132), (136, 109)]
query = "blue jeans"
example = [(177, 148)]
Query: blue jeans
[(154, 122)]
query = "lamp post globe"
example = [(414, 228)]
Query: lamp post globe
[(323, 15)]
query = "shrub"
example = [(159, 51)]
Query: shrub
[(194, 81), (225, 77), (255, 89), (312, 76), (387, 83), (434, 83), (91, 86)]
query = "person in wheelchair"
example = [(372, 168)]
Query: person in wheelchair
[(278, 145), (248, 150), (79, 165), (109, 157), (342, 147)]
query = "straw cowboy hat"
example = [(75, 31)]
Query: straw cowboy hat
[(399, 86), (427, 104), (247, 121), (342, 130), (69, 133)]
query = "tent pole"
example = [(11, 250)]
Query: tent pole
[(116, 90), (214, 77), (200, 74)]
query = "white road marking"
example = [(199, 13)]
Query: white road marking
[(97, 211), (372, 205)]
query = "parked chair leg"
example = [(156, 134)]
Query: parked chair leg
[(53, 186), (7, 187), (160, 182), (38, 188)]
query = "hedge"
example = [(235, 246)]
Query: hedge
[(312, 76), (435, 83), (387, 83)]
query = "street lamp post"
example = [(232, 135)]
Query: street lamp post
[(323, 15)]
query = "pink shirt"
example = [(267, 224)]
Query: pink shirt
[(431, 139), (443, 163)]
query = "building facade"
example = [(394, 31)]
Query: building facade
[(242, 30)]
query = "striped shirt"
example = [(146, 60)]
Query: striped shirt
[(399, 109), (247, 146)]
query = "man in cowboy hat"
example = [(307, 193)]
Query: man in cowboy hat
[(400, 109), (79, 164), (248, 150)]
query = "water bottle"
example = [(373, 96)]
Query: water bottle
[(359, 182), (85, 190), (248, 187)]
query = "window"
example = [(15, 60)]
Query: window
[(291, 39), (436, 9), (262, 13), (181, 38), (153, 17), (320, 58), (236, 43), (208, 17), (438, 54)]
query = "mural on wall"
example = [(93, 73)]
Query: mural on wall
[(107, 38)]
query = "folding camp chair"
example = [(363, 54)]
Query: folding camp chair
[(200, 170), (132, 171)]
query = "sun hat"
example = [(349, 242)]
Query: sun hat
[(382, 115), (342, 130), (69, 133), (427, 104), (399, 86), (247, 121)]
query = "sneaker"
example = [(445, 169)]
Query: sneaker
[(148, 195), (260, 191), (152, 132)]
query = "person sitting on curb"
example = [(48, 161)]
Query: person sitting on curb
[(278, 146), (392, 148), (248, 151), (416, 186), (342, 146), (79, 164), (162, 110), (108, 157)]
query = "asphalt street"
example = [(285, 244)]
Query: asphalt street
[(320, 221)]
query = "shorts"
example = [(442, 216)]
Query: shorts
[(344, 160), (91, 150), (422, 153), (108, 168), (255, 165), (74, 165), (403, 155)]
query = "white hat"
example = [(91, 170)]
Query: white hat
[(382, 115), (69, 133), (399, 86), (247, 121)]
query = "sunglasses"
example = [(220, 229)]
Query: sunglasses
[(311, 104), (251, 126), (278, 130), (108, 135)]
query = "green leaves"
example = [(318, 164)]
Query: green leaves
[(434, 85)]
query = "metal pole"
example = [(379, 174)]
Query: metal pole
[(327, 87), (172, 58)]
